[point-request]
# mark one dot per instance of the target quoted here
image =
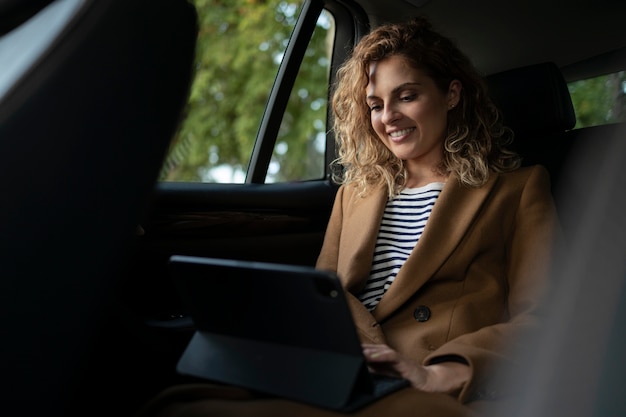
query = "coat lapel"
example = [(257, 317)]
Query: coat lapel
[(360, 232), (453, 214)]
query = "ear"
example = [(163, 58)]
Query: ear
[(454, 93)]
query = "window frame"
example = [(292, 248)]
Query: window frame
[(351, 24)]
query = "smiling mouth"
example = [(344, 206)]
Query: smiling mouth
[(399, 133)]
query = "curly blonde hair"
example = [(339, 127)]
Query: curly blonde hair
[(476, 138)]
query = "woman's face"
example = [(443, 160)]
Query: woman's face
[(408, 112)]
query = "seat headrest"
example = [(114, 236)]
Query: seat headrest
[(533, 99)]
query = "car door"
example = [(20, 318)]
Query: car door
[(267, 217), (272, 207)]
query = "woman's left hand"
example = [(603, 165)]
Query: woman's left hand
[(444, 377)]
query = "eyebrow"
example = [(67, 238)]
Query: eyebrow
[(398, 88)]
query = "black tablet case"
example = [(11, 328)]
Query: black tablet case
[(283, 330)]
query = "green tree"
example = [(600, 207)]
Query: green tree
[(599, 100), (240, 46)]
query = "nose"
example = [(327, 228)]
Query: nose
[(390, 114)]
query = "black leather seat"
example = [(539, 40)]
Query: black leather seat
[(86, 116), (536, 104)]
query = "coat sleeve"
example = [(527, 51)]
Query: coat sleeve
[(529, 253)]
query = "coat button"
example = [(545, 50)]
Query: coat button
[(421, 313)]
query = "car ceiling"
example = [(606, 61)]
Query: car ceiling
[(501, 34)]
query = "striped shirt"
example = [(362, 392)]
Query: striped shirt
[(402, 225)]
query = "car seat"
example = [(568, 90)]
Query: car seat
[(537, 106), (91, 93)]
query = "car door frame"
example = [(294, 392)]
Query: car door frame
[(278, 222)]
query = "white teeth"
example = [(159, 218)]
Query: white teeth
[(399, 133)]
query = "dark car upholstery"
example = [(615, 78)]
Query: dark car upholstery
[(83, 132), (537, 106)]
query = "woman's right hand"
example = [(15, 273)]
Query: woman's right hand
[(444, 377)]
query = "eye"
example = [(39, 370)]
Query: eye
[(374, 107), (408, 97)]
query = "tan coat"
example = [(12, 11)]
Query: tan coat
[(478, 270)]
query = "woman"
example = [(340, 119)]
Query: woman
[(440, 239)]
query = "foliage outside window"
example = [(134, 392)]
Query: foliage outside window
[(240, 46), (600, 100)]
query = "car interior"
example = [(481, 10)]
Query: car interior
[(92, 94)]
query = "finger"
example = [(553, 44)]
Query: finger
[(372, 347), (380, 355)]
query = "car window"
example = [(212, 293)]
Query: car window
[(240, 47), (599, 100), (300, 148)]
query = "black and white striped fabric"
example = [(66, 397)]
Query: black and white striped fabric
[(402, 225)]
